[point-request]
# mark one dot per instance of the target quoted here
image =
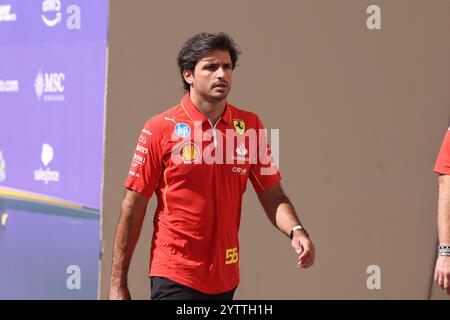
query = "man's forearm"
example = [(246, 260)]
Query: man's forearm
[(279, 209), (281, 213), (285, 217), (444, 209), (126, 237)]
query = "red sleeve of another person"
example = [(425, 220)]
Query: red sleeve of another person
[(264, 173), (146, 164), (442, 165)]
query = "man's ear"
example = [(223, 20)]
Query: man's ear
[(188, 76)]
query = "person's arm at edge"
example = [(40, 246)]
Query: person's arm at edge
[(134, 206), (442, 270), (281, 213)]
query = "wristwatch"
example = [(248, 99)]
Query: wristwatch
[(297, 227)]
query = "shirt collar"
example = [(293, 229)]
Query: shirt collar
[(195, 115)]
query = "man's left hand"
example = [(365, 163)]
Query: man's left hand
[(305, 248)]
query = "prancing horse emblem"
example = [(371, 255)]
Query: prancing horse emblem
[(239, 125)]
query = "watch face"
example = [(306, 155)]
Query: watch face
[(299, 227)]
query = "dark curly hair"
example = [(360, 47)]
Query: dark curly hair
[(199, 45)]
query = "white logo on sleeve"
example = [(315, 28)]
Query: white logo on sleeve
[(142, 149), (139, 159), (149, 133), (133, 173)]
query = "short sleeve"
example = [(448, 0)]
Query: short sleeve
[(264, 174), (442, 165), (146, 164)]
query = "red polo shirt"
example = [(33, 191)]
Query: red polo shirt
[(442, 165), (199, 172)]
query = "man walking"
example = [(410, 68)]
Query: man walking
[(197, 157)]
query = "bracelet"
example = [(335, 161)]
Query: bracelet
[(444, 250), (446, 254)]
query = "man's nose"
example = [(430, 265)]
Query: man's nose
[(221, 72)]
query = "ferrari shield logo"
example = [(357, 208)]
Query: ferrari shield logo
[(239, 125)]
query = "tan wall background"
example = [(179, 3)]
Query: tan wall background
[(361, 115)]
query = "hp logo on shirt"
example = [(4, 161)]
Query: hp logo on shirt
[(182, 130)]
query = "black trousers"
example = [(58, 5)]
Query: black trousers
[(166, 289)]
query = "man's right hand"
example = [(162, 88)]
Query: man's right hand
[(119, 293), (442, 273), (128, 229)]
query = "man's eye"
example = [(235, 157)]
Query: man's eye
[(211, 67)]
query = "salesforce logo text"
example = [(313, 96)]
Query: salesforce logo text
[(46, 175), (49, 87)]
